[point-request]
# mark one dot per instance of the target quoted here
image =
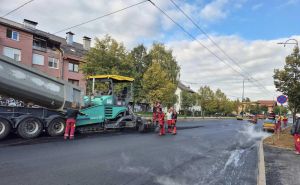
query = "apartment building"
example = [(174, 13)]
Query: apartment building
[(56, 56)]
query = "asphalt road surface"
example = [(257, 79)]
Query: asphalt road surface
[(203, 152)]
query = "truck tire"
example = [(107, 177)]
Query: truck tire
[(56, 127), (141, 128), (5, 128), (30, 127)]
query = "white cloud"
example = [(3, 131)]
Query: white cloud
[(214, 10), (258, 57)]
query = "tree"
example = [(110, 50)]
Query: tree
[(206, 100), (141, 62), (287, 80), (221, 100), (107, 57), (165, 58), (157, 87), (280, 110), (187, 100), (263, 109), (236, 105)]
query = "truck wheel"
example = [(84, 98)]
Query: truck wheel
[(5, 128), (30, 127), (141, 128), (56, 127)]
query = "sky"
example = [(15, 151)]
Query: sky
[(246, 30)]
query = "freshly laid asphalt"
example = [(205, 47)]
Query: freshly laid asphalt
[(282, 166), (203, 152)]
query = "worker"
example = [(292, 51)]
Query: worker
[(71, 121), (278, 124), (169, 119), (296, 132), (161, 121), (174, 121), (285, 120)]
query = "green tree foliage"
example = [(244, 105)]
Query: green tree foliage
[(221, 100), (263, 109), (280, 109), (236, 105), (157, 86), (188, 100), (141, 62), (107, 57), (207, 100), (287, 80), (216, 102), (165, 58)]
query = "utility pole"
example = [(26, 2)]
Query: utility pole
[(243, 97)]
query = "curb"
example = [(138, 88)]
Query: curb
[(261, 176)]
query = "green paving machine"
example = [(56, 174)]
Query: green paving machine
[(109, 109)]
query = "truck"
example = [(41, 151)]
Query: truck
[(54, 96)]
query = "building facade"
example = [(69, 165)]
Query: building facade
[(56, 56), (180, 88)]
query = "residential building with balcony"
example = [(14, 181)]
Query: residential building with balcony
[(56, 56)]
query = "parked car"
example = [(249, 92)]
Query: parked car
[(269, 125)]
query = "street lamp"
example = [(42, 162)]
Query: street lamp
[(287, 42), (284, 44)]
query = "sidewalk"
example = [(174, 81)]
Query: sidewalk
[(282, 166)]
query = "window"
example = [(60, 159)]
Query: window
[(14, 35), (12, 53), (75, 82), (53, 63), (73, 67), (38, 59)]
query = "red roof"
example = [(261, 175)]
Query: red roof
[(266, 102)]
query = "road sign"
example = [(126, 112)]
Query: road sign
[(282, 99)]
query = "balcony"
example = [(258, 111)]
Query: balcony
[(39, 48)]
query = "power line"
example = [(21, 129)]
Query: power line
[(111, 13), (17, 8), (194, 38), (214, 43)]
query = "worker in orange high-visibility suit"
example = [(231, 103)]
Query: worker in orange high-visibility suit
[(154, 115), (161, 121), (71, 121), (296, 132), (174, 121)]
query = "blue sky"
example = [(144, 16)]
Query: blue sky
[(271, 19), (249, 19)]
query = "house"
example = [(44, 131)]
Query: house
[(56, 56), (267, 103), (180, 88), (270, 104)]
